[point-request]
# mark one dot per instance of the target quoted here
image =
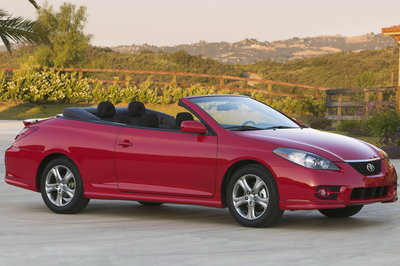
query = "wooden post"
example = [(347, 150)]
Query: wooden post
[(318, 94), (269, 90), (174, 78), (392, 79), (380, 96), (366, 100), (366, 96), (328, 101), (394, 32), (80, 74), (339, 108), (221, 82), (398, 83)]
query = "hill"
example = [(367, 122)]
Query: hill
[(97, 57), (339, 70), (251, 50)]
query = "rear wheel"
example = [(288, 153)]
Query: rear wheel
[(342, 212), (148, 203), (61, 187), (252, 197)]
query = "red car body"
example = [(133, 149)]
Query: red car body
[(144, 164)]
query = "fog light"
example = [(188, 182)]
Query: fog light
[(323, 192), (327, 192)]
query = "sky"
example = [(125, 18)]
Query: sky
[(171, 22)]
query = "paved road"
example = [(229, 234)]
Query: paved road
[(126, 233)]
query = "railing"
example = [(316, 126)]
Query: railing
[(174, 77), (350, 104)]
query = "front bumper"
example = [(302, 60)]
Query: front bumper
[(345, 187)]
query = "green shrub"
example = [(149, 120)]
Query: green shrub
[(46, 86), (384, 124), (352, 127), (320, 123), (298, 106)]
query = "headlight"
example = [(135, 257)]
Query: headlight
[(306, 159)]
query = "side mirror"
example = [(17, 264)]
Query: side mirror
[(193, 127)]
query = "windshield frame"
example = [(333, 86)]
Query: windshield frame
[(193, 99)]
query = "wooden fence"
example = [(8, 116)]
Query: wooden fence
[(221, 80), (351, 103)]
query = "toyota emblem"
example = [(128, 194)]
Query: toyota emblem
[(370, 167)]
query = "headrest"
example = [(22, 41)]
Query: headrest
[(183, 116), (105, 109), (149, 120), (136, 109)]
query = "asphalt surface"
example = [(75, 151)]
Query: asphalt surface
[(126, 233)]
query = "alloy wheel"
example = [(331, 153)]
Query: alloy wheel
[(250, 196), (60, 185)]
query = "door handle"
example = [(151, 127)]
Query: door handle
[(125, 143)]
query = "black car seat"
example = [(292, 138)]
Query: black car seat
[(106, 111), (135, 112), (149, 120), (182, 116)]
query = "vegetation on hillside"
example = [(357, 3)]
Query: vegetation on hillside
[(97, 57), (339, 70)]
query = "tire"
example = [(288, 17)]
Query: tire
[(148, 203), (61, 187), (252, 197), (341, 212)]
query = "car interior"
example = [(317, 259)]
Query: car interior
[(135, 114)]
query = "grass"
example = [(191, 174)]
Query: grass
[(20, 111)]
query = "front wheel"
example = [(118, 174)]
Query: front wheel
[(341, 212), (252, 197), (61, 187)]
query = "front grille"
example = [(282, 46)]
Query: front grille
[(365, 168), (369, 193)]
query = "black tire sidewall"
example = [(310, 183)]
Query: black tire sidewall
[(78, 202), (273, 212)]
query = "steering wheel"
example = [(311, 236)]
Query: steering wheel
[(249, 123)]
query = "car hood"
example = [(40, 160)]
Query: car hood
[(332, 146)]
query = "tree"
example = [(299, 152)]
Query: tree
[(68, 42), (19, 29)]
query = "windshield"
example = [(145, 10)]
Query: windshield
[(242, 113)]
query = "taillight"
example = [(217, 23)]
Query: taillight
[(25, 132)]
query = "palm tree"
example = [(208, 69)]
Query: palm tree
[(19, 29)]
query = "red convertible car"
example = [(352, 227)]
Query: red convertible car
[(225, 151)]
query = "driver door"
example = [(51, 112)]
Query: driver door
[(169, 162)]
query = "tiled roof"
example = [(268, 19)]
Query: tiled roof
[(393, 31)]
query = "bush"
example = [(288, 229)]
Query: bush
[(384, 124), (299, 106), (352, 127), (46, 86), (320, 123)]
